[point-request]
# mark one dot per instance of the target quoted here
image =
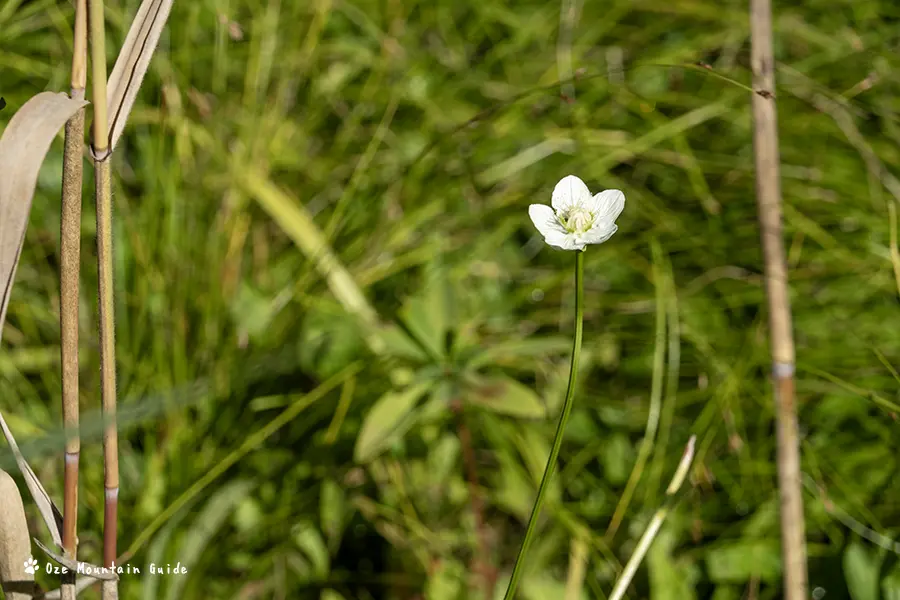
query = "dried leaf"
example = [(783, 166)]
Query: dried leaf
[(87, 569), (51, 515), (15, 543), (132, 63), (22, 149)]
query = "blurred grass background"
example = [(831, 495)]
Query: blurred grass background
[(410, 137)]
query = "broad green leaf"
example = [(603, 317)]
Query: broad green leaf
[(332, 506), (861, 569), (512, 351), (399, 345), (418, 315), (310, 541), (330, 595), (385, 421), (504, 395), (738, 562), (439, 298)]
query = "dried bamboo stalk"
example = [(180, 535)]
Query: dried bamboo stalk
[(101, 153), (768, 196), (70, 259)]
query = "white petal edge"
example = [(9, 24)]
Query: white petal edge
[(545, 220), (563, 241), (599, 233), (607, 205), (569, 192)]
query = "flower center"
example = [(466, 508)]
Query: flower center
[(579, 220)]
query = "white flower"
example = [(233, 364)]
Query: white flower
[(577, 218)]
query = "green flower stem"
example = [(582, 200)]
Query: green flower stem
[(560, 428)]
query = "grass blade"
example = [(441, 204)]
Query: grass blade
[(132, 63)]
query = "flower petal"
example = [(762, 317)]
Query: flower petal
[(563, 241), (607, 206), (568, 193), (599, 233), (545, 219), (548, 225)]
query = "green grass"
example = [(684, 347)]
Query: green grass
[(414, 130)]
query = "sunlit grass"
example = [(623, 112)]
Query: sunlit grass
[(352, 109)]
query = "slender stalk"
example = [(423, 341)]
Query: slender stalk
[(100, 147), (672, 497), (70, 259), (768, 196), (560, 428)]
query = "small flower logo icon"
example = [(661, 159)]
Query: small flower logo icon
[(31, 566)]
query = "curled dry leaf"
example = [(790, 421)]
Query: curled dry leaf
[(132, 63), (23, 146), (81, 567), (15, 544)]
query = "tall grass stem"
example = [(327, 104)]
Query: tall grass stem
[(70, 259), (768, 196), (102, 192)]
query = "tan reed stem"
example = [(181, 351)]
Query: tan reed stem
[(100, 148), (70, 259), (768, 196)]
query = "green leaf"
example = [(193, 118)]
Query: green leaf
[(738, 562), (330, 595), (504, 395), (332, 506), (861, 569), (399, 345), (513, 350), (429, 314), (387, 421), (890, 586), (310, 541)]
